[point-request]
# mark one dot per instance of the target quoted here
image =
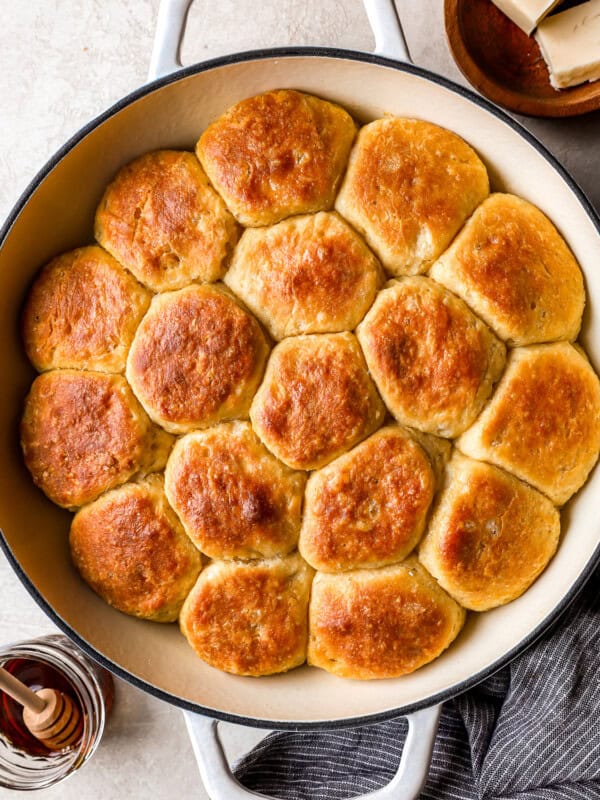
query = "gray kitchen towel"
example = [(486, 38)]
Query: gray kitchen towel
[(530, 732)]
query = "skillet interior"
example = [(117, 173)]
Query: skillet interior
[(58, 216)]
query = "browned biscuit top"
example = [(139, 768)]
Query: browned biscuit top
[(82, 433), (277, 154), (250, 618), (368, 507), (197, 357), (162, 220), (490, 536), (543, 423), (433, 360), (234, 498), (82, 312), (409, 187), (309, 274), (316, 400), (130, 548), (380, 623), (510, 264)]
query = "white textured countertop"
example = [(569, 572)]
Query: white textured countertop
[(61, 63)]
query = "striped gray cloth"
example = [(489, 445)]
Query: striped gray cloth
[(531, 732)]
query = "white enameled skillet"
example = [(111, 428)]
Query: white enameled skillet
[(55, 214)]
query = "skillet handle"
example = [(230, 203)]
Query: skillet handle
[(387, 29), (172, 16), (407, 783), (170, 27)]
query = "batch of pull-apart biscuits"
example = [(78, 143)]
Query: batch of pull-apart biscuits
[(314, 393)]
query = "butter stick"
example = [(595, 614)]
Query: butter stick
[(570, 44), (527, 14)]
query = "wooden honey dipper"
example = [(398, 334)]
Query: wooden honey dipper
[(50, 716)]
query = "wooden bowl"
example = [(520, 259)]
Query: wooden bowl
[(506, 65)]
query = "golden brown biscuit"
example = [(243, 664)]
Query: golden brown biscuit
[(82, 312), (409, 187), (316, 400), (130, 548), (514, 269), (490, 535), (234, 498), (250, 618), (380, 623), (84, 432), (310, 274), (543, 422), (368, 507), (434, 362), (277, 154), (162, 220), (197, 358)]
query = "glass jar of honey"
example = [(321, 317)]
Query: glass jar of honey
[(50, 662)]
